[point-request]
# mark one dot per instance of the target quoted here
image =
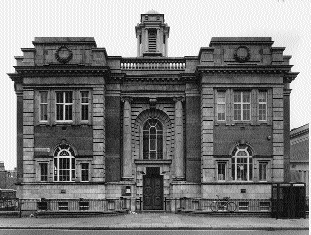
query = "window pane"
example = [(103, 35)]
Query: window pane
[(145, 146), (221, 174), (84, 97), (246, 112), (43, 112), (85, 112), (262, 97), (44, 171), (237, 112), (59, 97), (152, 154), (246, 97), (262, 112), (233, 169), (221, 111), (221, 97), (262, 171), (237, 97), (68, 113), (59, 112), (68, 96), (84, 172), (152, 144), (153, 130), (43, 97)]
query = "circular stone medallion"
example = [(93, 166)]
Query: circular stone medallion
[(242, 54), (63, 54)]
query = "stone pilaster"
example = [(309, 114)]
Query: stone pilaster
[(179, 140), (28, 136), (19, 95), (98, 164), (278, 135), (207, 132), (286, 93), (127, 137)]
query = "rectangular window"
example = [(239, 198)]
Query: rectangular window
[(221, 105), (84, 206), (43, 171), (264, 206), (243, 206), (64, 104), (84, 105), (242, 105), (84, 172), (262, 106), (43, 106), (221, 171), (263, 171), (63, 206)]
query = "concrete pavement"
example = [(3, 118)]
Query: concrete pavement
[(155, 221)]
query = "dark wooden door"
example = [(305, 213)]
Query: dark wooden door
[(153, 192)]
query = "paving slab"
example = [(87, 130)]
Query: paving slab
[(155, 221)]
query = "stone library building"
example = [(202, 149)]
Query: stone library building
[(96, 126)]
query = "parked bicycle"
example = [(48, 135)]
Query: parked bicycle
[(223, 204)]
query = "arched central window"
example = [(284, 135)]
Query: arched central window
[(64, 163), (153, 139), (242, 163)]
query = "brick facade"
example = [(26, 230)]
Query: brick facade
[(222, 117)]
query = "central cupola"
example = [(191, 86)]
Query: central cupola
[(152, 35)]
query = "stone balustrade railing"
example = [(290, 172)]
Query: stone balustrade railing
[(153, 64)]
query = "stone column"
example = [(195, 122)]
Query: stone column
[(127, 145), (179, 140), (146, 44), (158, 41), (138, 45), (166, 45)]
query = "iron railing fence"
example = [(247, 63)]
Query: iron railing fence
[(201, 204), (9, 204), (130, 204), (117, 204)]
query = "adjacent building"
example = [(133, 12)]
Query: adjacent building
[(7, 178), (299, 155), (93, 125)]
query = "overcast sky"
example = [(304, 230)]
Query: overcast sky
[(112, 24)]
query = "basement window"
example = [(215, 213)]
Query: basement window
[(84, 206), (243, 206), (63, 206), (264, 206)]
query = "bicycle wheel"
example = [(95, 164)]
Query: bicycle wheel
[(214, 206), (231, 206)]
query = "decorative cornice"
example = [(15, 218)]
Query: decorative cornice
[(154, 78), (245, 69), (60, 70), (289, 77)]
